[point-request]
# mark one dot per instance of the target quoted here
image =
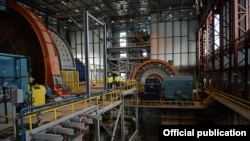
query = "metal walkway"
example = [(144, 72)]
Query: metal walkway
[(60, 117), (36, 121), (238, 105)]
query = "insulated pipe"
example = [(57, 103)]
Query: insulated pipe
[(48, 137), (61, 130), (73, 125)]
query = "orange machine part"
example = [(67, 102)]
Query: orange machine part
[(153, 61), (51, 62)]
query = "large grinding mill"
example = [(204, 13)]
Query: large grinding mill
[(24, 33), (154, 68)]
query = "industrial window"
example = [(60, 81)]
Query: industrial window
[(123, 40), (216, 31)]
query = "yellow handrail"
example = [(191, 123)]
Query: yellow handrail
[(71, 107), (233, 99)]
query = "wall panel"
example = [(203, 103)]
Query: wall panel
[(177, 28), (154, 46), (169, 45), (192, 29), (184, 29), (154, 30), (177, 42), (161, 30), (169, 29), (177, 61), (184, 60), (162, 45), (177, 45), (161, 57), (192, 59), (184, 45), (192, 46), (169, 56)]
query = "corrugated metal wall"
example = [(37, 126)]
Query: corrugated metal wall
[(174, 41), (171, 41)]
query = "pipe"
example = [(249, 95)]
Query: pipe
[(5, 102)]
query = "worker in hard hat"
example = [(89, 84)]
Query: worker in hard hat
[(117, 80), (110, 81)]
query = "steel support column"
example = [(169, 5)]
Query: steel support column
[(86, 37), (240, 30)]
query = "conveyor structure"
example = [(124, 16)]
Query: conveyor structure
[(74, 118), (83, 113)]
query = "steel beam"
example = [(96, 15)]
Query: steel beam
[(86, 120), (96, 117), (116, 123), (73, 125), (61, 130), (105, 109), (47, 137), (97, 127), (29, 133)]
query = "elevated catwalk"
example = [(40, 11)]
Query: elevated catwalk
[(94, 106)]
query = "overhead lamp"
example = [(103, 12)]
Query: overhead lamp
[(63, 2), (170, 14)]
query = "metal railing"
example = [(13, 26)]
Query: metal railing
[(55, 110), (158, 103), (244, 104)]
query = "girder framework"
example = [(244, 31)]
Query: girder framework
[(222, 51)]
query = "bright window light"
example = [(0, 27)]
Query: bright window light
[(123, 40)]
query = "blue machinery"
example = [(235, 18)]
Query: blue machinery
[(13, 76), (13, 72), (178, 88), (175, 88), (66, 113), (152, 89)]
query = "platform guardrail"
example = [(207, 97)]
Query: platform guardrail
[(55, 110), (243, 104)]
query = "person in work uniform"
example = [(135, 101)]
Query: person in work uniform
[(110, 81), (117, 80)]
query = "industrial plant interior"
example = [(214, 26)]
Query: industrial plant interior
[(116, 70)]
